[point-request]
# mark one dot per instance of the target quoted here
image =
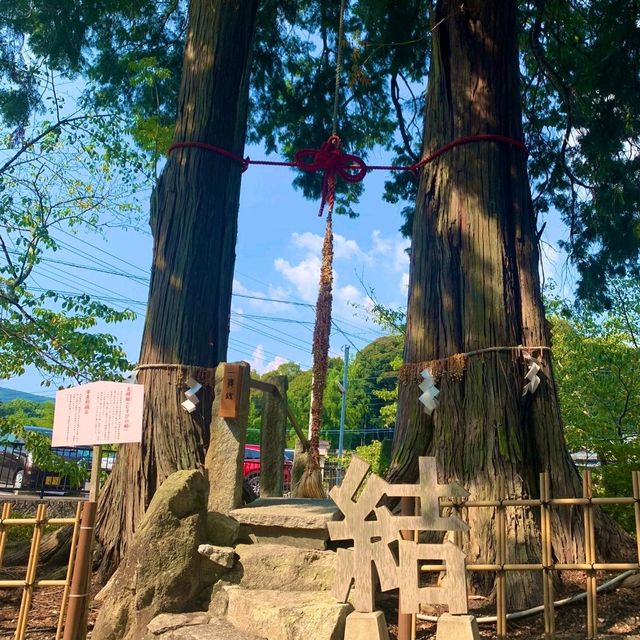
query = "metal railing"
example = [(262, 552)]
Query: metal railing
[(19, 473)]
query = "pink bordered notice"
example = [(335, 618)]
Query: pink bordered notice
[(98, 413)]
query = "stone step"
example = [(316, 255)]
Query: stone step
[(194, 626), (289, 615), (275, 566), (298, 522)]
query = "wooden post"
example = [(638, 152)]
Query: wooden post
[(69, 576), (501, 558), (406, 620), (225, 455), (590, 557), (273, 436), (547, 555), (96, 464), (74, 629)]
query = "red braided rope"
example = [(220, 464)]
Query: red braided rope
[(330, 159)]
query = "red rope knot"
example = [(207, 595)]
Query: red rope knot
[(330, 159)]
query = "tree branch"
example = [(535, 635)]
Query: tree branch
[(395, 99)]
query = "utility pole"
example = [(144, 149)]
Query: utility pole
[(343, 391)]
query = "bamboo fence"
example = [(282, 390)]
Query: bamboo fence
[(547, 567), (31, 581)]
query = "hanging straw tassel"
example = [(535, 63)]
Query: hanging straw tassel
[(310, 484)]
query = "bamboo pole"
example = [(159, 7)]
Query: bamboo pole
[(6, 514), (554, 502), (589, 548), (32, 567), (9, 584), (72, 558), (547, 556), (501, 546), (80, 582), (635, 478)]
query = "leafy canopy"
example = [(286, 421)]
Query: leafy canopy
[(579, 88), (70, 168)]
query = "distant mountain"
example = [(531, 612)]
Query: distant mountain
[(11, 394)]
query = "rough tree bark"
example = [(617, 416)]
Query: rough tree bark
[(474, 284), (194, 225)]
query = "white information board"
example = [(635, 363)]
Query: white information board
[(98, 413)]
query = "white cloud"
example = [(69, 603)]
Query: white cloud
[(304, 276), (400, 255), (307, 240), (343, 248), (404, 283), (274, 364), (350, 295), (256, 300), (257, 361), (237, 318), (380, 246)]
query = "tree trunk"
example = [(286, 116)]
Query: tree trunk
[(194, 212), (474, 284)]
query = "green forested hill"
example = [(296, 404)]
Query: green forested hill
[(11, 394)]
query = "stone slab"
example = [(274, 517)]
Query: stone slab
[(366, 626), (224, 556), (457, 627), (293, 615), (298, 522), (300, 538), (215, 629), (172, 621), (285, 568), (290, 513)]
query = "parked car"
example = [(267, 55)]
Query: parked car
[(37, 479), (18, 470), (13, 460), (251, 469)]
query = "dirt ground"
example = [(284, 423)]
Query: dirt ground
[(618, 613)]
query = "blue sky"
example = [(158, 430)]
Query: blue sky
[(278, 258), (277, 270)]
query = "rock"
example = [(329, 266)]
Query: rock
[(299, 522), (215, 629), (272, 566), (104, 592), (219, 601), (171, 621), (162, 571), (292, 615), (631, 582), (221, 529), (224, 556)]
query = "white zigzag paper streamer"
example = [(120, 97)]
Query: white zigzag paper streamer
[(430, 392)]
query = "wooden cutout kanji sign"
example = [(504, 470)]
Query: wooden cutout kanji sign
[(375, 531), (231, 391)]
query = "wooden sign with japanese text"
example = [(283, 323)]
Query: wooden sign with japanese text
[(231, 391), (98, 413)]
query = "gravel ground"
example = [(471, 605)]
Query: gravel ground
[(618, 613)]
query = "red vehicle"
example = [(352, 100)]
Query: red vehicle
[(251, 469)]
